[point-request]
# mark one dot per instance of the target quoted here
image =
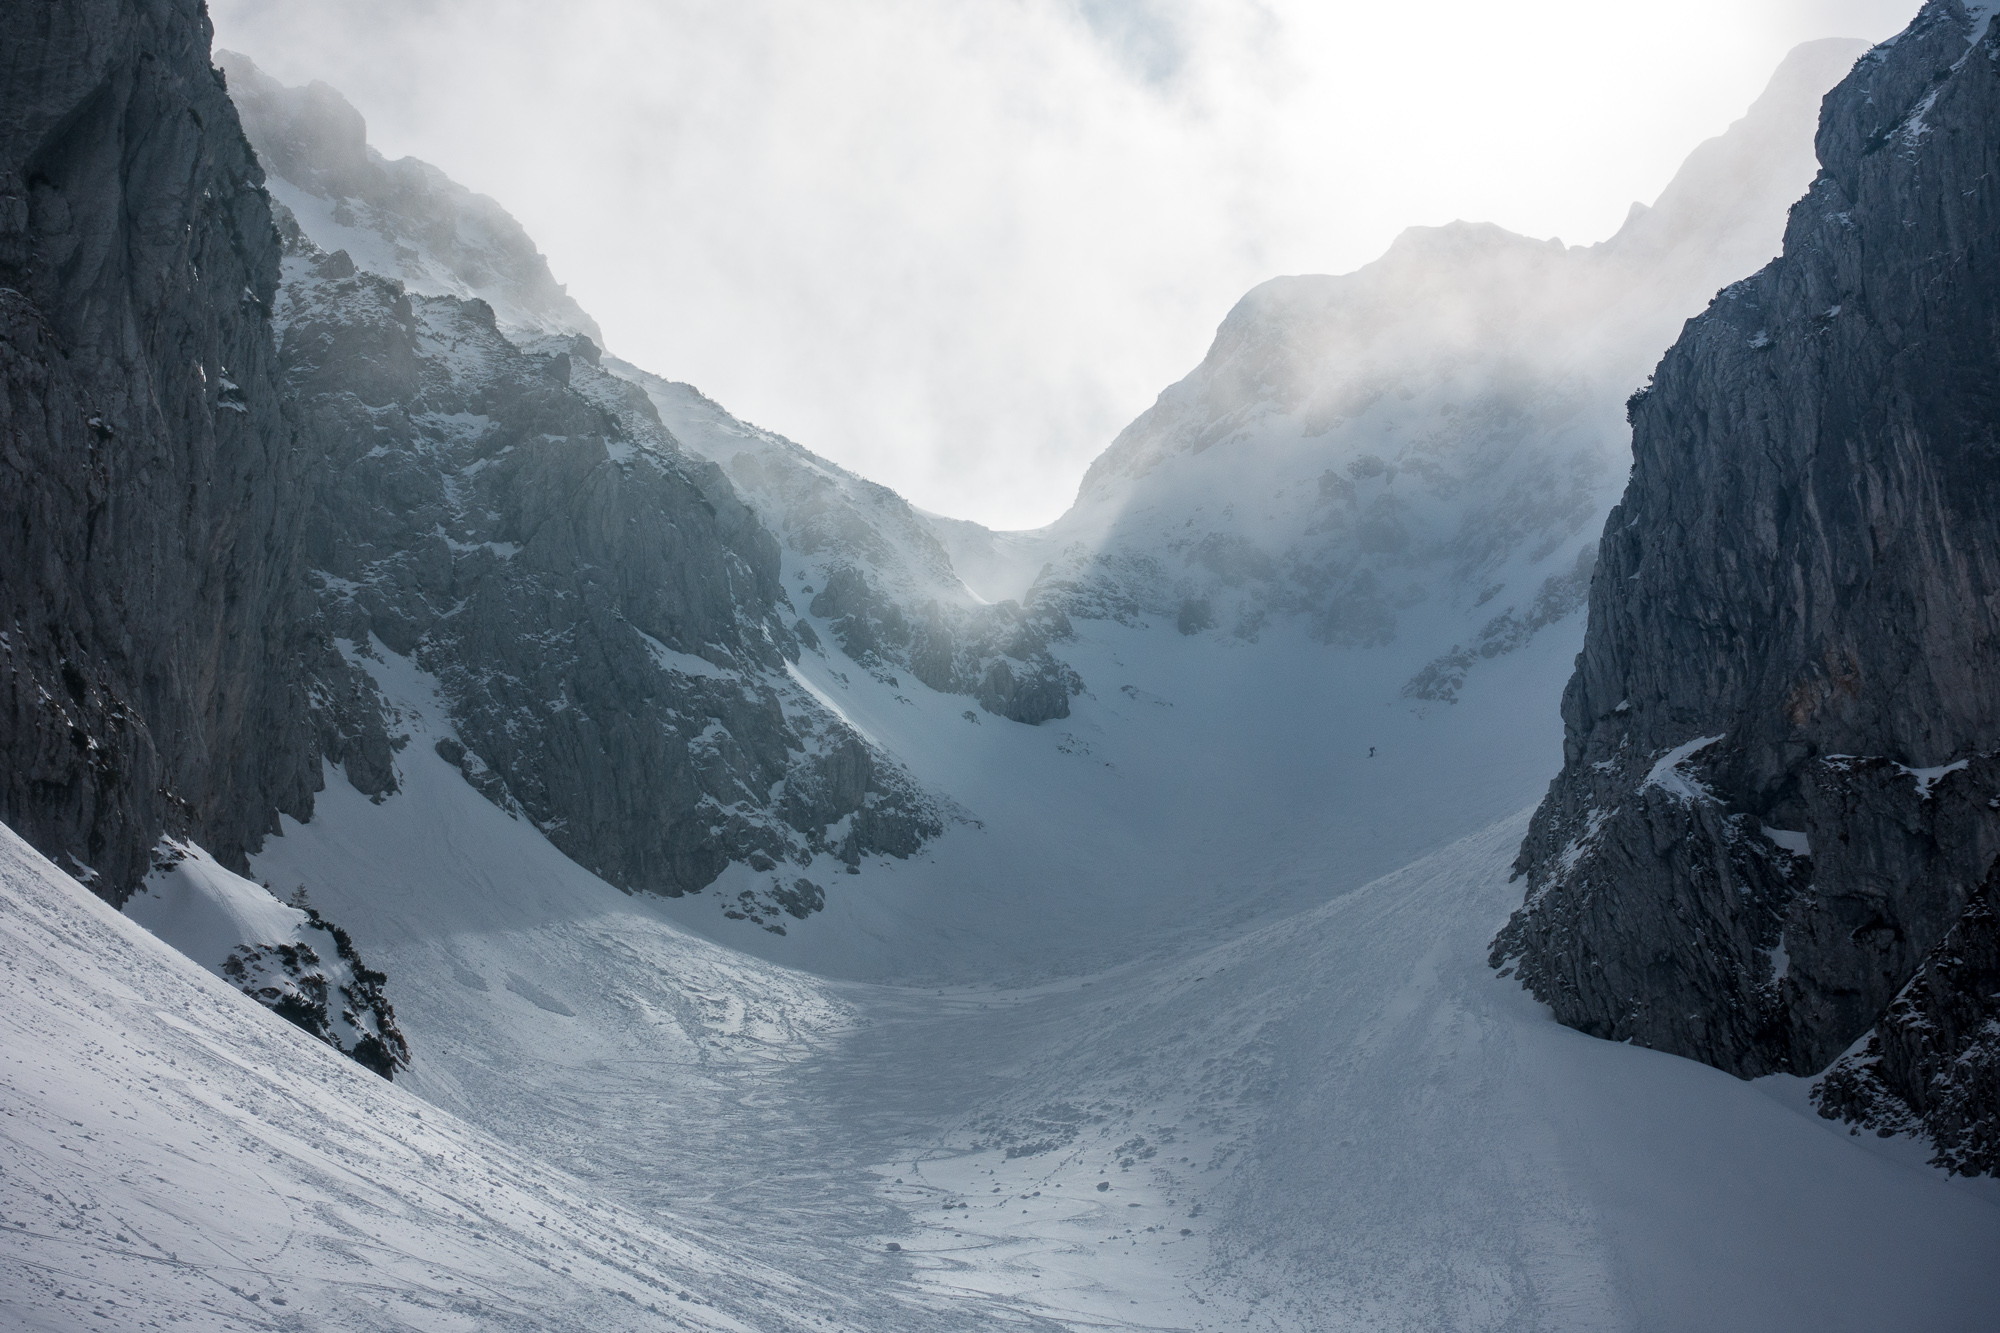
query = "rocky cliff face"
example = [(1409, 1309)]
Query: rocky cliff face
[(1775, 828), (860, 558), (151, 624), (160, 643), (600, 611), (285, 956)]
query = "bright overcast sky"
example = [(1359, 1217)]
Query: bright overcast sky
[(958, 244)]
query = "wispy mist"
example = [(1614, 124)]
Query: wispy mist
[(957, 246)]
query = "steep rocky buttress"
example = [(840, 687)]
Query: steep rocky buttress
[(600, 611), (152, 627), (1773, 843), (160, 645)]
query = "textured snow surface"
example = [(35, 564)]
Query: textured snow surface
[(173, 1155), (207, 911), (239, 930), (1310, 1107), (1179, 972)]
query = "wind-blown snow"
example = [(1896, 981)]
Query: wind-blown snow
[(1798, 844), (1927, 778)]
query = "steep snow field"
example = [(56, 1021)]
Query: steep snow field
[(1236, 978), (172, 1154)]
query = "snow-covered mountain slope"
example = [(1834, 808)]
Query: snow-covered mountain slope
[(404, 219), (1335, 1122), (1194, 790), (1443, 428), (285, 956), (827, 516), (172, 1155), (1176, 957), (1181, 1021)]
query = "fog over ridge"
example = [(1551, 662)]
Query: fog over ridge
[(959, 248)]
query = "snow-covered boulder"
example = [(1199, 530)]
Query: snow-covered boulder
[(284, 955)]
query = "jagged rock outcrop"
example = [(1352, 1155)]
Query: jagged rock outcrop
[(601, 612), (152, 627), (874, 570), (1775, 826), (284, 955), (997, 654), (1931, 1067)]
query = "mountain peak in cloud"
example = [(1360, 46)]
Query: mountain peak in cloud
[(404, 218)]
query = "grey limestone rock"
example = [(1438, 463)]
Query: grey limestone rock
[(1932, 1065), (1776, 811), (319, 984), (997, 654), (152, 627), (600, 611)]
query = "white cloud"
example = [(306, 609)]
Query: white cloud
[(957, 246)]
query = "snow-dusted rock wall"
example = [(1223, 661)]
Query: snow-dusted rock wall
[(1776, 814), (404, 219), (861, 558), (151, 622), (602, 613), (284, 955)]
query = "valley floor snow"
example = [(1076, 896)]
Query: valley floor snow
[(1185, 1024)]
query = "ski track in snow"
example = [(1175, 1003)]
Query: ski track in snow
[(1187, 1026)]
